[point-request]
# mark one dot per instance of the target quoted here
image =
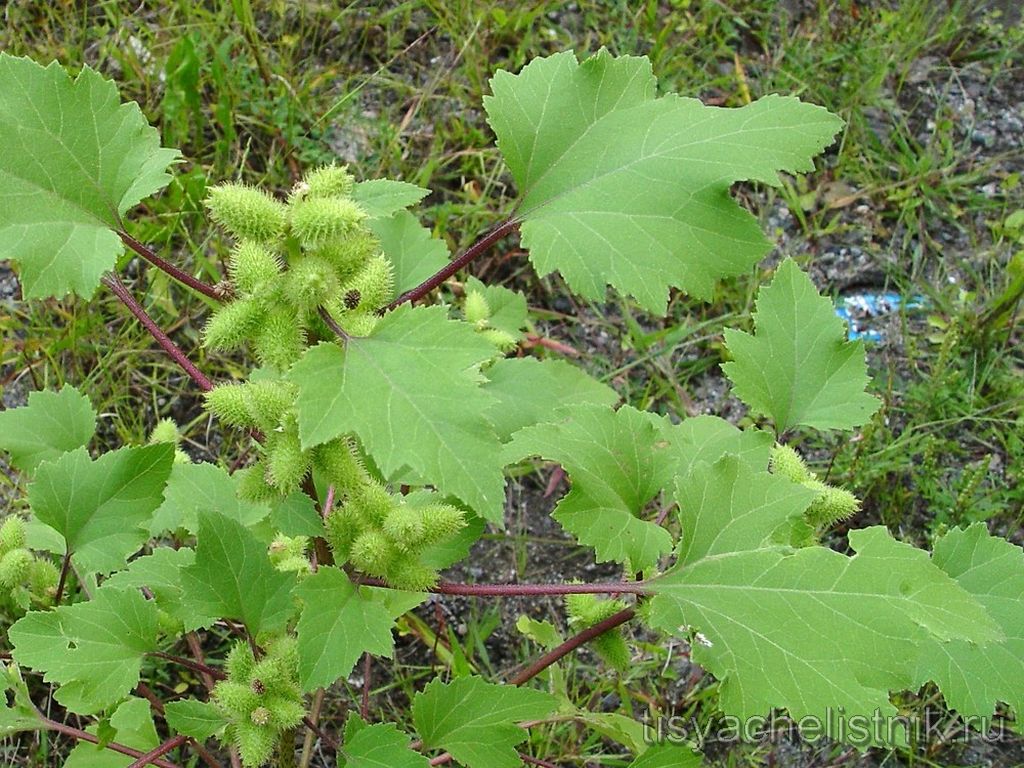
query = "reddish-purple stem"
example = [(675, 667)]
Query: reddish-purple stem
[(77, 733), (195, 666), (113, 282), (473, 252), (572, 644), (513, 590), (150, 757), (164, 266), (64, 568)]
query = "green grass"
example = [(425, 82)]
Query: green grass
[(260, 90)]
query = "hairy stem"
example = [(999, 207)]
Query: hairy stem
[(514, 590), (78, 733), (150, 757), (474, 251), (113, 282), (570, 645), (165, 266)]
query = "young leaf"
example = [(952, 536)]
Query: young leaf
[(51, 424), (198, 719), (75, 160), (728, 507), (410, 394), (531, 391), (974, 677), (17, 713), (813, 630), (195, 487), (132, 723), (410, 247), (668, 756), (623, 188), (100, 507), (339, 622), (295, 515), (508, 310), (477, 721), (380, 745), (93, 650), (617, 465), (798, 367), (381, 198), (232, 577)]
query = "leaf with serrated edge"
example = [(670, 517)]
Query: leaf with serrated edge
[(531, 391), (616, 464), (192, 488), (412, 250), (17, 713), (101, 508), (93, 650), (620, 187), (381, 198), (411, 393), (815, 631), (509, 312), (232, 577), (668, 756), (477, 721), (132, 723), (51, 424), (973, 677), (709, 438), (381, 745), (197, 719), (339, 622), (798, 367), (75, 160)]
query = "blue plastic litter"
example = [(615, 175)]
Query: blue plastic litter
[(862, 310)]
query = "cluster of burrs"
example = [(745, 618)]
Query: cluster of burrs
[(830, 503), (261, 699), (27, 580), (333, 262), (587, 610)]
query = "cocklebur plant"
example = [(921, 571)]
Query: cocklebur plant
[(382, 426)]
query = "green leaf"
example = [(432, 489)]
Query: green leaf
[(798, 367), (133, 726), (193, 488), (617, 464), (619, 187), (340, 622), (381, 745), (508, 308), (727, 507), (93, 650), (232, 577), (410, 247), (75, 160), (296, 515), (51, 424), (160, 573), (381, 198), (668, 756), (477, 721), (411, 393), (813, 630), (530, 391), (973, 677), (709, 438), (101, 507), (198, 719), (17, 713), (541, 632)]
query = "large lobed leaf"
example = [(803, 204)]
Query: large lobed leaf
[(798, 367), (75, 159), (93, 650), (620, 187), (412, 394), (477, 721), (101, 508), (51, 424)]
